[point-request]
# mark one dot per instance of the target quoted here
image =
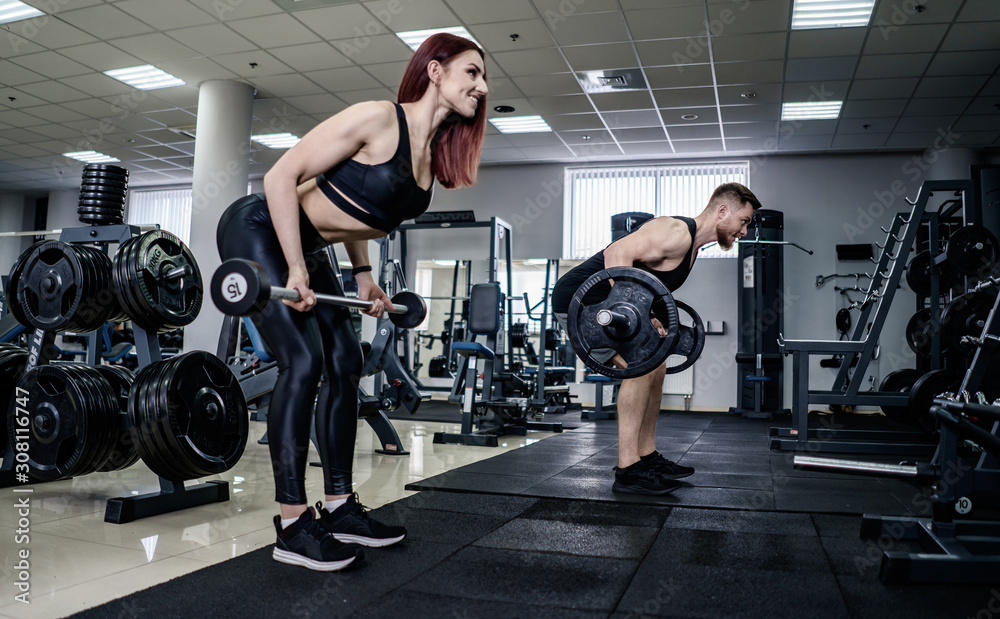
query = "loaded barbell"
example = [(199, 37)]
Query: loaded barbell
[(241, 287), (621, 321)]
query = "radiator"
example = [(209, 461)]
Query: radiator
[(681, 383)]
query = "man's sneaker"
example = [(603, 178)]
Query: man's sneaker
[(305, 543), (351, 524), (639, 478), (669, 468)]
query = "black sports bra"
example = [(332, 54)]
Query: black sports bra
[(387, 192)]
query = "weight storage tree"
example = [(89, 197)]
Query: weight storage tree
[(759, 383)]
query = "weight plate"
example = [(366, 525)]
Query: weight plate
[(238, 287), (972, 250), (142, 425), (900, 381), (966, 315), (105, 167), (49, 290), (690, 339), (101, 411), (637, 295), (843, 320), (919, 273), (112, 190), (160, 401), (169, 303), (925, 389), (416, 309), (107, 204), (920, 331), (57, 436), (208, 412), (123, 454), (16, 271)]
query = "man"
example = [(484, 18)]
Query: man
[(666, 247)]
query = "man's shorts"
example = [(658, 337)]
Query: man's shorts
[(601, 355)]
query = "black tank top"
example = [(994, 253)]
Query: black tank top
[(386, 192), (568, 284)]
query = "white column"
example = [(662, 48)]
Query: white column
[(221, 173)]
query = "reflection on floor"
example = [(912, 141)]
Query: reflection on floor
[(77, 561)]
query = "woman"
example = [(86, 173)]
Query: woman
[(355, 177)]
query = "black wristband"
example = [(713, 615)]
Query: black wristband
[(364, 269)]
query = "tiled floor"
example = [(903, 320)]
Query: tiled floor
[(78, 561)]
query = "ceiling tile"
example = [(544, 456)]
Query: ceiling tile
[(892, 65), (574, 122), (566, 104), (698, 146), (532, 62), (763, 93), (807, 127), (748, 17), (694, 132), (390, 74), (182, 96), (155, 48), (598, 57), (346, 21), (101, 56), (940, 105), (823, 91), (495, 37), (873, 108), (212, 39), (195, 71), (13, 45), (50, 32), (105, 22), (883, 89), (348, 78), (633, 119), (804, 142), (165, 15), (615, 101), (826, 42), (501, 154), (921, 123), (590, 29), (741, 48), (13, 75), (675, 116), (958, 86), (273, 30), (51, 64), (53, 92), (917, 141), (412, 14), (749, 130), (252, 64), (750, 113), (684, 97), (964, 63), (588, 137), (373, 94), (561, 8), (547, 85), (750, 144), (236, 9), (981, 106), (479, 12), (373, 50), (324, 104), (18, 99), (311, 57), (978, 123), (820, 69), (979, 10), (671, 52), (667, 23), (889, 14), (749, 72), (520, 105), (682, 76), (981, 35), (288, 85), (497, 140), (647, 148), (54, 113), (523, 140), (648, 134), (905, 39)]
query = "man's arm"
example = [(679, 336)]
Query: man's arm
[(660, 239)]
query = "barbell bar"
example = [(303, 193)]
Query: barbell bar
[(241, 287)]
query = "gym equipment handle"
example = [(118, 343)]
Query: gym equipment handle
[(278, 292)]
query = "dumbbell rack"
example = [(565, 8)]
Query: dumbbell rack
[(173, 495), (900, 237)]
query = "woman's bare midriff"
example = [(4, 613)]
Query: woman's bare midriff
[(333, 224)]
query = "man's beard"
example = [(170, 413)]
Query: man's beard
[(725, 240)]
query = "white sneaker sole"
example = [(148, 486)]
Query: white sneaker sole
[(370, 542), (291, 558)]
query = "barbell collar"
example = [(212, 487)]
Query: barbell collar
[(293, 295), (610, 318), (177, 273)]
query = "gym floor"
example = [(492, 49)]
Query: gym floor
[(529, 528)]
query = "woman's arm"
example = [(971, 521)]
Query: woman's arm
[(336, 139)]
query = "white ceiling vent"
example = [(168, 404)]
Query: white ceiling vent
[(611, 80)]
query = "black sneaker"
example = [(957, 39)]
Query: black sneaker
[(305, 543), (639, 478), (669, 468), (351, 524)]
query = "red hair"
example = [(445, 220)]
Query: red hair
[(459, 142)]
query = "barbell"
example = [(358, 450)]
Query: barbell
[(241, 287)]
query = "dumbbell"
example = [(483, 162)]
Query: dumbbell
[(241, 287)]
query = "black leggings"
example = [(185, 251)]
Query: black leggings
[(306, 345)]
